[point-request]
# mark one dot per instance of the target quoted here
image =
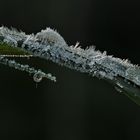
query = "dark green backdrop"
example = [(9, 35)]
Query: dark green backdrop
[(77, 107)]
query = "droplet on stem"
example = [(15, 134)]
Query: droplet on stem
[(37, 77)]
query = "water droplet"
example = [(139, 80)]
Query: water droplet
[(37, 77)]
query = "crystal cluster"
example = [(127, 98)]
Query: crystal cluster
[(50, 45)]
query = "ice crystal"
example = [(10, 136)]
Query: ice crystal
[(50, 45)]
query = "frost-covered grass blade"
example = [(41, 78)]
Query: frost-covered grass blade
[(50, 45)]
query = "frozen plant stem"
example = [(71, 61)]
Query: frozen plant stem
[(49, 45), (37, 74)]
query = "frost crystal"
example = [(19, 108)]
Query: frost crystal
[(38, 74), (49, 45)]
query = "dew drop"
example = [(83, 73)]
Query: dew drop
[(37, 77)]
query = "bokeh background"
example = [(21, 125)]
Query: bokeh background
[(77, 107)]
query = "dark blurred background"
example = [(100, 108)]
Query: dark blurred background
[(77, 107)]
